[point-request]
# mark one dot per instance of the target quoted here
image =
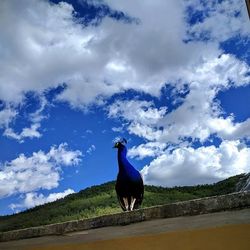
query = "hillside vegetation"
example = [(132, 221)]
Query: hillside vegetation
[(101, 199)]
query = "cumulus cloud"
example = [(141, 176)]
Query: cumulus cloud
[(94, 61), (150, 149), (34, 199), (98, 61), (221, 20), (189, 166), (137, 111), (7, 114), (40, 54), (26, 132), (199, 115), (39, 171), (142, 117)]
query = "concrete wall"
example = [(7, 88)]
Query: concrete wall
[(192, 207)]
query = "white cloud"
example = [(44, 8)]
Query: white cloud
[(34, 199), (42, 54), (98, 61), (150, 149), (63, 156), (91, 149), (228, 130), (94, 61), (31, 132), (221, 72), (189, 166), (7, 114), (221, 20), (137, 111), (37, 116), (39, 171), (117, 129), (199, 115), (142, 116)]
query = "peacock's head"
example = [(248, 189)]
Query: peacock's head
[(119, 143)]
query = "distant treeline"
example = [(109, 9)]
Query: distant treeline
[(101, 199)]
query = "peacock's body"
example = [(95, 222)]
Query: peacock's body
[(129, 184)]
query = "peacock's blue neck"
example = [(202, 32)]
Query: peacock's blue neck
[(126, 170), (122, 159)]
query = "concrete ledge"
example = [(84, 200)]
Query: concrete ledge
[(186, 208)]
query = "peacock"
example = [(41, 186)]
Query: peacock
[(129, 184)]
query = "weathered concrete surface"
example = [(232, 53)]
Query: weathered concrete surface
[(244, 183), (223, 226), (194, 207)]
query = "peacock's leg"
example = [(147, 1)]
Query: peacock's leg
[(125, 200), (132, 203)]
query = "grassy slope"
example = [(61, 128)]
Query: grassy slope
[(99, 200)]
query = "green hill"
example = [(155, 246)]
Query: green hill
[(101, 199)]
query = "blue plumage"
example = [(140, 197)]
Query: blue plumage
[(129, 184)]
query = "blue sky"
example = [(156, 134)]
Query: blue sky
[(172, 77)]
